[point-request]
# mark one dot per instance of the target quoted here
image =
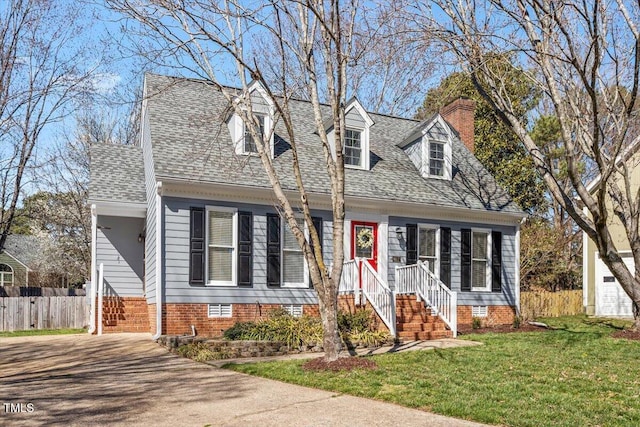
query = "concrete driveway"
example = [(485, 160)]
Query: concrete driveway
[(126, 379)]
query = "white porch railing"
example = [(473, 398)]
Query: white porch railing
[(350, 280), (417, 279), (382, 299)]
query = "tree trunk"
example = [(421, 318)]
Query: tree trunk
[(328, 306), (636, 316)]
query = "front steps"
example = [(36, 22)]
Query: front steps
[(415, 322)]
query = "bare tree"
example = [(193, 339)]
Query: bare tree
[(61, 213), (41, 74), (312, 44), (585, 58)]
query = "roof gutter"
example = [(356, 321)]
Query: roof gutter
[(159, 263), (235, 192)]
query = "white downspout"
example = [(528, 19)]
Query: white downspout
[(159, 226), (92, 291), (518, 269)]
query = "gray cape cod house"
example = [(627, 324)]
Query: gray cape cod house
[(186, 233)]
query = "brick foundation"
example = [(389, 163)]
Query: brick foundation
[(497, 315), (151, 309), (135, 315), (124, 314), (178, 318)]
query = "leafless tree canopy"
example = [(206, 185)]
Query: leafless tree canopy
[(584, 57), (42, 71)]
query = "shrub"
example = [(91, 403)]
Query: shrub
[(365, 338), (239, 330), (360, 321), (476, 323), (306, 331), (517, 321), (200, 352)]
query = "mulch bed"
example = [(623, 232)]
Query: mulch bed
[(627, 334), (340, 364)]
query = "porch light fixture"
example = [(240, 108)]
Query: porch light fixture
[(399, 232)]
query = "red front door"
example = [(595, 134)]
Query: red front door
[(364, 241)]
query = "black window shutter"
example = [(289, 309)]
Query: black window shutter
[(496, 261), (445, 256), (317, 223), (465, 266), (273, 250), (245, 248), (196, 246), (412, 244)]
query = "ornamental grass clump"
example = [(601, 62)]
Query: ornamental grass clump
[(306, 331), (280, 326)]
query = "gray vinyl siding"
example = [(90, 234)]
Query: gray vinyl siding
[(150, 239), (414, 151), (437, 132), (397, 251), (122, 255), (258, 103), (354, 120), (176, 259)]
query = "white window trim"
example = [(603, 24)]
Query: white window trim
[(426, 153), (436, 227), (487, 288), (364, 147), (10, 273), (234, 258), (240, 128), (219, 308), (294, 285)]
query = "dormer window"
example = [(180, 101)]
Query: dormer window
[(353, 148), (249, 144), (429, 146), (262, 108), (436, 158)]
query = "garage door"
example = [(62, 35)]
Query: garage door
[(611, 299)]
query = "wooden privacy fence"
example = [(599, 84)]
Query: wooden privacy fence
[(24, 313), (550, 304)]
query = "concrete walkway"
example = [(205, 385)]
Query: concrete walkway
[(126, 379)]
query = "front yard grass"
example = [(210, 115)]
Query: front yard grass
[(31, 332), (575, 375)]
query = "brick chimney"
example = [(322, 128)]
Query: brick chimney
[(460, 114)]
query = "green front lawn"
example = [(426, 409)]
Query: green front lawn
[(576, 375), (42, 332)]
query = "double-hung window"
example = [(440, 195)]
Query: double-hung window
[(293, 262), (436, 158), (353, 148), (250, 145), (480, 260), (221, 246), (428, 245)]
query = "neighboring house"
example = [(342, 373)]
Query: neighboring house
[(18, 259), (187, 231), (602, 294)]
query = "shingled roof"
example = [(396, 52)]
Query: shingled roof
[(25, 248), (191, 142), (117, 174)]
